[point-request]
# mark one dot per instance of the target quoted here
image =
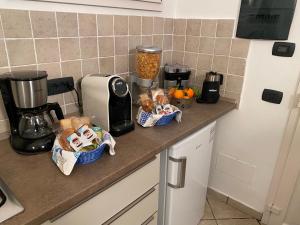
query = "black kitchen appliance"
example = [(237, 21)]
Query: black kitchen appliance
[(176, 76), (211, 88), (25, 95)]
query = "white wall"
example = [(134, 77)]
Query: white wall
[(248, 139), (207, 8), (168, 8)]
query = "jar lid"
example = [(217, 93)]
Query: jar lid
[(26, 75), (148, 49)]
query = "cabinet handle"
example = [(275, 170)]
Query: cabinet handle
[(130, 206), (180, 173)]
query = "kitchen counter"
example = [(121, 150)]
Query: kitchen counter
[(45, 192)]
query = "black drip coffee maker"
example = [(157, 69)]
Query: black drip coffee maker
[(25, 95)]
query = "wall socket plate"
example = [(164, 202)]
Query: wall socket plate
[(60, 85)]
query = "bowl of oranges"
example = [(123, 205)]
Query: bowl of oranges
[(182, 98)]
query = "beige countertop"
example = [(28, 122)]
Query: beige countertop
[(45, 192)]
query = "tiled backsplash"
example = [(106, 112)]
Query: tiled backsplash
[(207, 45), (74, 44)]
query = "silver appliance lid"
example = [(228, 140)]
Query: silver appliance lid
[(148, 49), (213, 76), (176, 68), (26, 75)]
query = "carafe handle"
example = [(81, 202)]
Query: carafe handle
[(56, 107), (221, 79)]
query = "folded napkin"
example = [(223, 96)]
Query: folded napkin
[(146, 119), (66, 160)]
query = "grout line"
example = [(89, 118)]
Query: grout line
[(98, 54), (79, 42), (5, 45), (60, 61), (33, 40)]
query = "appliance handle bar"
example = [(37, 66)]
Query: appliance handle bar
[(180, 174)]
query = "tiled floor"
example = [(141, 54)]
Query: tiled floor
[(218, 212)]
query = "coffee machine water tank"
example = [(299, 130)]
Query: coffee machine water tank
[(107, 101)]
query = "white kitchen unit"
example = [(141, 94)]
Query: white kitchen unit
[(187, 166), (131, 201)]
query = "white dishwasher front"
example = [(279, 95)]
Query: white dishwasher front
[(187, 177)]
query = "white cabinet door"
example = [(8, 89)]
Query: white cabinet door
[(188, 172)]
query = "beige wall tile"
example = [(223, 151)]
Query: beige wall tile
[(220, 64), (56, 98), (190, 59), (90, 66), (132, 63), (88, 47), (209, 28), (3, 114), (158, 26), (179, 26), (16, 23), (121, 25), (106, 46), (47, 50), (135, 25), (3, 55), (222, 46), (1, 30), (147, 25), (121, 45), (122, 64), (167, 57), (240, 48), (4, 70), (178, 43), (168, 25), (238, 222), (70, 97), (105, 25), (193, 27), (53, 69), (72, 68), (67, 24), (107, 65), (192, 43), (167, 42), (234, 83), (236, 66), (43, 24), (72, 108), (4, 127), (147, 40), (69, 48), (158, 41), (204, 62), (225, 28), (200, 77), (20, 52), (133, 42), (177, 57), (87, 25), (206, 45), (231, 95)]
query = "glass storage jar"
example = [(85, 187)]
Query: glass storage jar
[(148, 61)]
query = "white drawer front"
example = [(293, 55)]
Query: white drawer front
[(103, 206), (139, 213)]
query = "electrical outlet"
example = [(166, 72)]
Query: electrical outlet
[(60, 85)]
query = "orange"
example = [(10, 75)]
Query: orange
[(189, 92), (179, 94)]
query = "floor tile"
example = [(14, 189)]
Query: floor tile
[(238, 222), (207, 212), (207, 222), (222, 210)]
